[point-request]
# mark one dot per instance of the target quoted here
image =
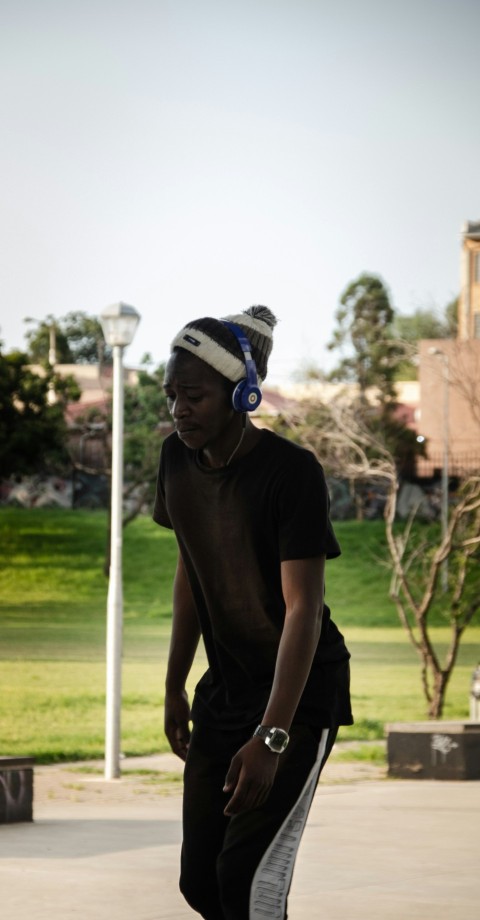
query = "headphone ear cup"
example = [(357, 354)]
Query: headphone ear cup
[(246, 397)]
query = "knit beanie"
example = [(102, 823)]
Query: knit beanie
[(212, 341)]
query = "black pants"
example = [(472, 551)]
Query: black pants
[(240, 868)]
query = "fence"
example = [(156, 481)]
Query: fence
[(459, 464)]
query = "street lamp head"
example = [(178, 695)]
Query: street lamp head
[(119, 323), (439, 353)]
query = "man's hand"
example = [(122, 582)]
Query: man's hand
[(250, 777), (177, 722)]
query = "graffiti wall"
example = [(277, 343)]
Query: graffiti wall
[(80, 490), (16, 790)]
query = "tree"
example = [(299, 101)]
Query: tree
[(78, 339), (365, 321), (364, 325), (451, 318), (32, 427), (464, 375), (146, 420), (424, 323), (417, 549), (418, 556)]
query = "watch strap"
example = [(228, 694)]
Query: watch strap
[(275, 738)]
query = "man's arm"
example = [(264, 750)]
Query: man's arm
[(183, 645), (253, 768)]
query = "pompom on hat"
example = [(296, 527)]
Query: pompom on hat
[(213, 342)]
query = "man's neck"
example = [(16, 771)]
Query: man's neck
[(240, 443)]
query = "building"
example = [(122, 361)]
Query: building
[(449, 372), (469, 301), (450, 403)]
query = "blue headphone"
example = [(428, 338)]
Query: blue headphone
[(247, 394)]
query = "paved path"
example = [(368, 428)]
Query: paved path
[(372, 850)]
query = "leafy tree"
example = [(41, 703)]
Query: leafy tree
[(32, 426), (38, 341), (427, 324), (422, 324), (451, 318), (78, 339), (146, 421), (364, 326)]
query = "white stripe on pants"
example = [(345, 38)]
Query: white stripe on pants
[(272, 880)]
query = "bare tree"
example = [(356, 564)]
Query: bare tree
[(343, 443), (416, 587), (464, 375)]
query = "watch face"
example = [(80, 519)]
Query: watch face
[(277, 740)]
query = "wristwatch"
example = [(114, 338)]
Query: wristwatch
[(275, 738)]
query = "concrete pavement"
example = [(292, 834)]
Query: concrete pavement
[(382, 850)]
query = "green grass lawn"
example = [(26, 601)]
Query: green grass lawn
[(52, 635)]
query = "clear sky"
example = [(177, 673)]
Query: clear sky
[(193, 157)]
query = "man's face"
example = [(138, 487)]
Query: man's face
[(198, 400)]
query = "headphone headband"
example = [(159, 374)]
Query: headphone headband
[(247, 395)]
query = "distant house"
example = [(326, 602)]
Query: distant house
[(407, 395), (86, 432), (449, 372), (450, 402), (469, 301)]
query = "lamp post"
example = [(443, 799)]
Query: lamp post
[(52, 360), (119, 323), (444, 509)]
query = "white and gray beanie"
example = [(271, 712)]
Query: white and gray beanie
[(213, 342)]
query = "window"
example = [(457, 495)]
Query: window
[(476, 267)]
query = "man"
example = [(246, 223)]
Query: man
[(250, 513)]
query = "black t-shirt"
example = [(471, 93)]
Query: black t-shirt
[(235, 525)]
